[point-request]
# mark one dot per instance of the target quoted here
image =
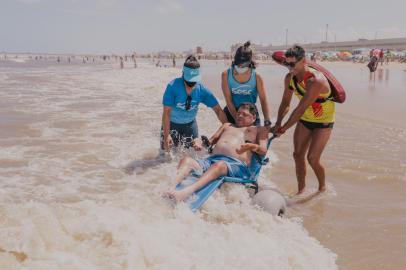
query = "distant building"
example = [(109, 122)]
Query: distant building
[(387, 43), (199, 50)]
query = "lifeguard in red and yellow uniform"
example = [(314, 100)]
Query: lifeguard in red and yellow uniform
[(314, 116)]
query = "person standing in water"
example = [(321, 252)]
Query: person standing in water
[(180, 106), (241, 83), (314, 116), (121, 62)]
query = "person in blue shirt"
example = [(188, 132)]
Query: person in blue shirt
[(241, 83), (180, 106)]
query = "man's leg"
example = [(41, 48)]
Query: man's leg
[(319, 141), (301, 141), (185, 166), (216, 170)]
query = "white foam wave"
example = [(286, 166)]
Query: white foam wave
[(74, 207)]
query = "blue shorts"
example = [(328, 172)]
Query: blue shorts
[(182, 134), (236, 168)]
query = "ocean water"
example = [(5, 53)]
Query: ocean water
[(67, 135), (80, 182)]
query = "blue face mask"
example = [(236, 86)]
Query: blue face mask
[(241, 70)]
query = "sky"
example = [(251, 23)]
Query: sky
[(125, 26)]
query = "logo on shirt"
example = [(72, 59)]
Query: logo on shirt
[(317, 109), (182, 106), (242, 90)]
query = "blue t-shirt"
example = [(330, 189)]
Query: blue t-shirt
[(175, 97), (243, 92)]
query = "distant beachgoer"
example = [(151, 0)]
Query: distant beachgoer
[(241, 83), (181, 104), (173, 61), (387, 56), (381, 55), (121, 62), (314, 116), (133, 57), (313, 57)]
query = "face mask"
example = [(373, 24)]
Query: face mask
[(190, 84), (241, 70)]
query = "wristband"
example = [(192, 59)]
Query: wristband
[(267, 123)]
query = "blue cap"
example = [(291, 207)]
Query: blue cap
[(192, 74)]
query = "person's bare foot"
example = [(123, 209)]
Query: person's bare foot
[(180, 195), (300, 188), (299, 192), (322, 189)]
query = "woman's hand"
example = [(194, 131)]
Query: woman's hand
[(278, 131), (168, 142), (275, 127)]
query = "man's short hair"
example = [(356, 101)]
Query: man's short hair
[(191, 62), (296, 51), (251, 108)]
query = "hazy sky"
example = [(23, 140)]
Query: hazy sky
[(108, 26)]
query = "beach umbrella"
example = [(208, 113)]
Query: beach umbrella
[(344, 55), (376, 52)]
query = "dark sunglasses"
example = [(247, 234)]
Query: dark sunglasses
[(188, 102), (291, 64)]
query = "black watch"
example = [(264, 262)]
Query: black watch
[(267, 123), (205, 141)]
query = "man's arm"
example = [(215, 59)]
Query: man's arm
[(262, 138), (260, 147), (216, 136), (315, 87), (220, 114), (198, 143)]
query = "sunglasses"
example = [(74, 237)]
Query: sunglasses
[(291, 64), (188, 102)]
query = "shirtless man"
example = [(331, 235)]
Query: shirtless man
[(231, 156)]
